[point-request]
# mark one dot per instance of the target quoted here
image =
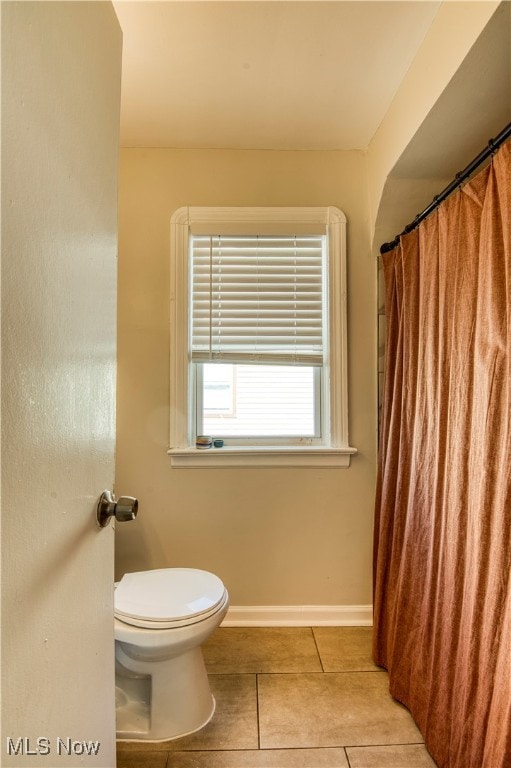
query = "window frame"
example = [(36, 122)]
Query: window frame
[(334, 449)]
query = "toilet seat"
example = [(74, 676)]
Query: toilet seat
[(167, 597)]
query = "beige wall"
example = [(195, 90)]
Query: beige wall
[(453, 32), (275, 536)]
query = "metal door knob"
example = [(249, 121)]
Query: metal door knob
[(124, 509)]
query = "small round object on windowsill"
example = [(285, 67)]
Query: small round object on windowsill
[(218, 443), (203, 442)]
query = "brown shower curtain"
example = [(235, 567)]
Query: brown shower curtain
[(442, 555)]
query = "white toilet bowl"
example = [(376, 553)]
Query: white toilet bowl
[(161, 619)]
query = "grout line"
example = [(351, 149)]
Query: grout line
[(310, 672), (317, 649), (257, 710), (392, 744), (347, 757), (379, 670)]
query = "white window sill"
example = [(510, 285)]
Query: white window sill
[(261, 456)]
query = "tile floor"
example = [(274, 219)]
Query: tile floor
[(292, 698)]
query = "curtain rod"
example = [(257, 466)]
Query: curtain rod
[(460, 177)]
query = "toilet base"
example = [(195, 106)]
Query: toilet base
[(128, 720), (163, 703)]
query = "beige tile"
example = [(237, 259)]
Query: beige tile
[(331, 710), (345, 649), (381, 385), (138, 747), (264, 758), (234, 724), (382, 336), (403, 756), (381, 289), (145, 759), (261, 649)]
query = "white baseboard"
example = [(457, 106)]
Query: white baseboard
[(299, 616)]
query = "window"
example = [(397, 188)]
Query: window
[(257, 401), (258, 336)]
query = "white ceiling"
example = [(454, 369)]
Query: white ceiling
[(264, 75)]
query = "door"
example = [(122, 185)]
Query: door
[(60, 116)]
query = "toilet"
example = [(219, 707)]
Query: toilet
[(162, 617)]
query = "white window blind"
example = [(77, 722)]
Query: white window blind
[(258, 299)]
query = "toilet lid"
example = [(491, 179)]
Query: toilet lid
[(167, 595)]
